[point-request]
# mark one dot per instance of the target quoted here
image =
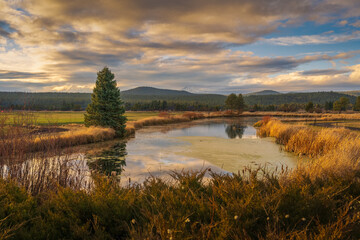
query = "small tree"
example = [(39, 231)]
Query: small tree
[(240, 103), (357, 104), (256, 107), (106, 108), (337, 106), (231, 101), (344, 103), (329, 105), (341, 104), (235, 102), (309, 107)]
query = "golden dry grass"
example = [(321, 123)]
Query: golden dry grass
[(17, 143), (333, 151)]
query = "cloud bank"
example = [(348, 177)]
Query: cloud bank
[(54, 45)]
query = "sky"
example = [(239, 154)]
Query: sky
[(203, 46)]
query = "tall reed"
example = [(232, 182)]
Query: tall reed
[(333, 151)]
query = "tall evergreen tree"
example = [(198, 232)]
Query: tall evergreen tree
[(106, 107)]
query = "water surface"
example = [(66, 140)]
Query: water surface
[(223, 145)]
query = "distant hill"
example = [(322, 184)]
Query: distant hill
[(148, 94), (154, 91), (264, 92), (315, 97)]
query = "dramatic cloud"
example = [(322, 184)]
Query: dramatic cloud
[(60, 45), (326, 79)]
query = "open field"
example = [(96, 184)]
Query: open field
[(66, 117), (70, 117)]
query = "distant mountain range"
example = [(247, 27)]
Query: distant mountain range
[(79, 101)]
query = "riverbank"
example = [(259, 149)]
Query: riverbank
[(19, 139), (30, 137)]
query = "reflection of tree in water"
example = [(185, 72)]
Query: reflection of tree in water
[(235, 130), (109, 161)]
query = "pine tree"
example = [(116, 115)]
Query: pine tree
[(231, 101), (240, 103), (106, 108), (235, 102)]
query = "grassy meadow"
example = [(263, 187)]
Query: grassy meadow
[(77, 117), (66, 117)]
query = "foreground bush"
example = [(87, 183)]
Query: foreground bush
[(253, 205)]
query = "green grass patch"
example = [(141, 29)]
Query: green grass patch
[(61, 118)]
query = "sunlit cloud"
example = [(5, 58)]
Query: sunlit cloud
[(322, 79)]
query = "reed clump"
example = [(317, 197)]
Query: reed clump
[(333, 151), (306, 140)]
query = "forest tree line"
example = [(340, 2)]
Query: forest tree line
[(78, 102)]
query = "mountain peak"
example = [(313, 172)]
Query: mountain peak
[(264, 92)]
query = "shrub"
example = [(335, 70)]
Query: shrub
[(253, 205)]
